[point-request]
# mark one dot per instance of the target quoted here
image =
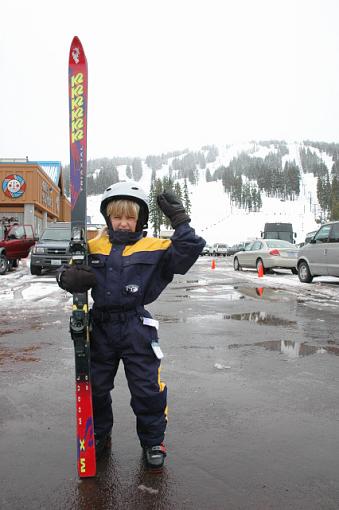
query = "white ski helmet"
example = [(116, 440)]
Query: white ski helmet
[(127, 191)]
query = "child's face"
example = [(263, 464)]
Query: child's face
[(123, 222)]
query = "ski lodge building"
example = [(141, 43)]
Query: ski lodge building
[(33, 192)]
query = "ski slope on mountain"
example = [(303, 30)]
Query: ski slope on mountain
[(217, 219)]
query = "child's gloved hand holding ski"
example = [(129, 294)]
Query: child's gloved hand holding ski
[(173, 208), (76, 278)]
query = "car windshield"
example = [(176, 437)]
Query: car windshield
[(278, 235), (279, 244), (56, 234), (222, 245)]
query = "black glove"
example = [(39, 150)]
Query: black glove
[(173, 208), (76, 278)]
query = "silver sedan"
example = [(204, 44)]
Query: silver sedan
[(271, 253)]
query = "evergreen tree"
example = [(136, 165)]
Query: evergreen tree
[(155, 214), (202, 160), (167, 184), (327, 192), (178, 191), (137, 169), (212, 154), (324, 194), (208, 175), (259, 200), (186, 198), (128, 172), (334, 200)]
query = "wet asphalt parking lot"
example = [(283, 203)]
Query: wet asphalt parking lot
[(252, 370)]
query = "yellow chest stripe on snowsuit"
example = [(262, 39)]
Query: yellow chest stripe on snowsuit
[(100, 246), (103, 245), (147, 244)]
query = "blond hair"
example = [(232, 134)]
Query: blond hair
[(119, 208), (123, 207)]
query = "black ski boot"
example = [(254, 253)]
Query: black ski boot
[(102, 444), (154, 456)]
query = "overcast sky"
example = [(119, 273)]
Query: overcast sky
[(168, 74)]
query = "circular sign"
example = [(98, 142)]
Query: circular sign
[(14, 186)]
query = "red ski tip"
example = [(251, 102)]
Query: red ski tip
[(76, 52)]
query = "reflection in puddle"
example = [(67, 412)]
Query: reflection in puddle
[(261, 318), (291, 349), (185, 318), (271, 293)]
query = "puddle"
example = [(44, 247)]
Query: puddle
[(24, 354), (182, 284), (291, 349), (262, 318), (187, 319), (216, 292), (203, 347), (270, 293), (168, 318)]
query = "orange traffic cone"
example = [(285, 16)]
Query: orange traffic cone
[(260, 270), (260, 291), (213, 264)]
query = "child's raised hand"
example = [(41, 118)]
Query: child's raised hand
[(173, 208)]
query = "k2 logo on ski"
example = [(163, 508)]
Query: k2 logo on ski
[(75, 55), (77, 91)]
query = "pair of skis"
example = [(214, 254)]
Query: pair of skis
[(79, 322)]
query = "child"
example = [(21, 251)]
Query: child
[(127, 270)]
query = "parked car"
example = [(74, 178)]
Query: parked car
[(15, 243), (52, 248), (219, 249), (238, 247), (271, 253), (320, 256), (207, 250), (231, 250), (310, 236)]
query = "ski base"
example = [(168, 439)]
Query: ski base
[(85, 431)]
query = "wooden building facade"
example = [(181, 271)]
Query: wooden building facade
[(33, 192)]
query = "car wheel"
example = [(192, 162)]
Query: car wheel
[(12, 264), (294, 270), (259, 261), (4, 264), (236, 265), (36, 270), (304, 272)]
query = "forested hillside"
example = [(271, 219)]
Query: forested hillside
[(265, 168)]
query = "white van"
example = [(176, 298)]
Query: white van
[(219, 249), (320, 256)]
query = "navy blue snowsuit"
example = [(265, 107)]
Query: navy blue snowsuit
[(130, 276)]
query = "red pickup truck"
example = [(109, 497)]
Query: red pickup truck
[(15, 243)]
